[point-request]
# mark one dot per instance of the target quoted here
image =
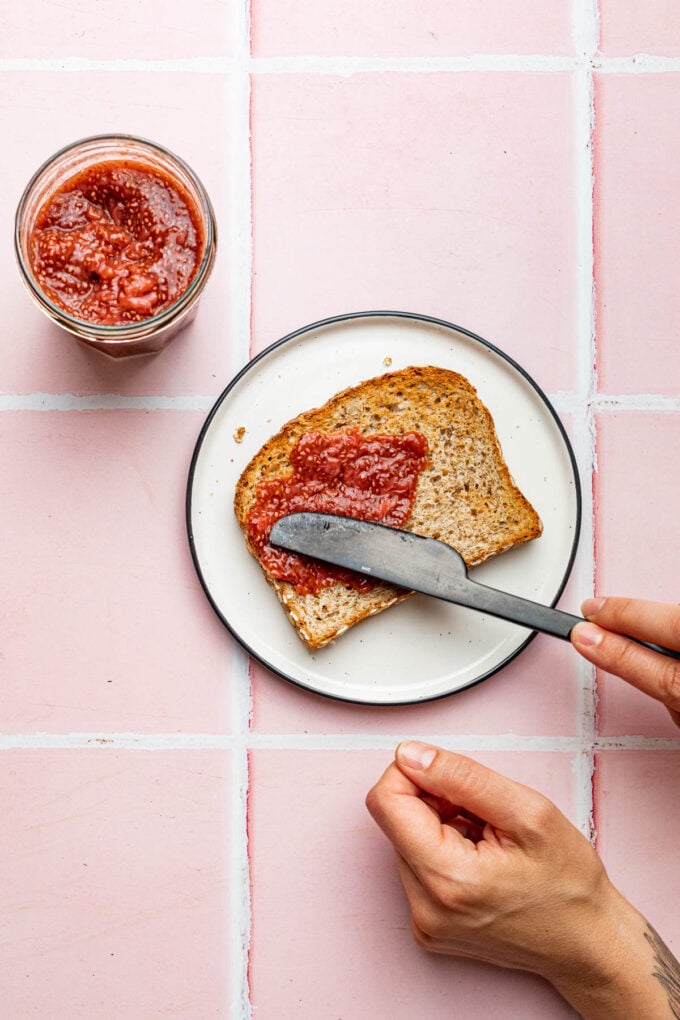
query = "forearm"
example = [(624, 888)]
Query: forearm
[(632, 974)]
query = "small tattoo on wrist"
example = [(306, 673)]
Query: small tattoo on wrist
[(667, 970)]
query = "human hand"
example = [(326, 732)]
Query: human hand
[(602, 642), (494, 871)]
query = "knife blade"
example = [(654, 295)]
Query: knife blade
[(418, 564)]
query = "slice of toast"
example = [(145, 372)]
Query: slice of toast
[(465, 494)]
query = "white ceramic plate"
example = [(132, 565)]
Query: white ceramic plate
[(422, 648)]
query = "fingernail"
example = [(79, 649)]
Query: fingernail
[(592, 606), (587, 634), (416, 755)]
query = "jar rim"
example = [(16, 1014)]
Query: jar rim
[(120, 332)]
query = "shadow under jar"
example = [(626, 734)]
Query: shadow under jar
[(115, 238)]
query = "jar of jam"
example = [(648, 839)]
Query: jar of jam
[(115, 238)]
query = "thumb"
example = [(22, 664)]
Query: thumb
[(502, 802)]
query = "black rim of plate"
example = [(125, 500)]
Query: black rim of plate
[(335, 320)]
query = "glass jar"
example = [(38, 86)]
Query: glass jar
[(145, 335)]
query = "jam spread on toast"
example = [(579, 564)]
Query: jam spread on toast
[(373, 478)]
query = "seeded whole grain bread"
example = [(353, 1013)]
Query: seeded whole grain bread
[(465, 495)]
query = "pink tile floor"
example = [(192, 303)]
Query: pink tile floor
[(183, 832)]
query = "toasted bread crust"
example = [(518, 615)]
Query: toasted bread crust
[(465, 496)]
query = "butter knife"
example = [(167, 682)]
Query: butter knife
[(418, 564)]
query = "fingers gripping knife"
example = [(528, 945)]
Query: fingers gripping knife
[(416, 563)]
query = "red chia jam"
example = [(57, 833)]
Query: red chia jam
[(116, 243), (373, 478)]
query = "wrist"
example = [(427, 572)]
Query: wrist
[(612, 976)]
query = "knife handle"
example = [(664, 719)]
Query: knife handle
[(537, 617), (519, 610)]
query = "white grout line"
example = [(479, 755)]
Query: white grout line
[(238, 249), (564, 402), (585, 29), (639, 63), (637, 743), (646, 402), (241, 743), (333, 65), (239, 240), (240, 919), (103, 402), (586, 38), (344, 66), (573, 403), (194, 65)]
